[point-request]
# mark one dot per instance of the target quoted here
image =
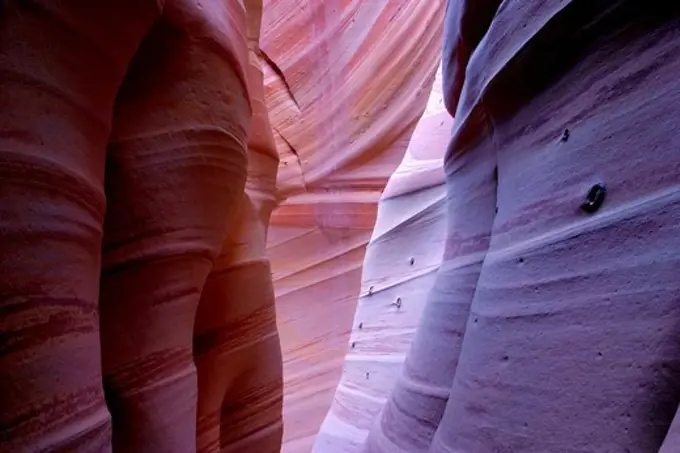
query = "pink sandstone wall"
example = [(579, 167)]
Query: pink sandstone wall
[(346, 82), (137, 306), (236, 346), (127, 212)]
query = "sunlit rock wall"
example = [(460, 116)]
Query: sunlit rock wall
[(401, 261), (345, 82)]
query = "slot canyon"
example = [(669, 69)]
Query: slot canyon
[(339, 226)]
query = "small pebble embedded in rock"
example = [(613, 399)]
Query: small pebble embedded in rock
[(594, 198)]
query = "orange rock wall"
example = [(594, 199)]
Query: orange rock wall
[(345, 84)]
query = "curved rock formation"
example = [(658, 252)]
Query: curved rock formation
[(156, 119), (175, 125), (401, 261), (346, 83), (236, 343), (138, 174), (61, 70), (553, 322), (154, 96)]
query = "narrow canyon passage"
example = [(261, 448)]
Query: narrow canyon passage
[(339, 226)]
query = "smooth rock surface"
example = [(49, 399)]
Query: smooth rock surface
[(550, 327), (126, 143), (236, 345), (345, 85), (401, 262)]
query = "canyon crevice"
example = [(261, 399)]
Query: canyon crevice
[(339, 226), (345, 84)]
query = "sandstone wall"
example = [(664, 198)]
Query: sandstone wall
[(401, 261), (345, 85)]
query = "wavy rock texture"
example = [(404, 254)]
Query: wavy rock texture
[(401, 261), (236, 343), (346, 82), (152, 95), (552, 324)]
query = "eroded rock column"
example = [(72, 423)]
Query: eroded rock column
[(61, 64), (176, 171), (236, 342)]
